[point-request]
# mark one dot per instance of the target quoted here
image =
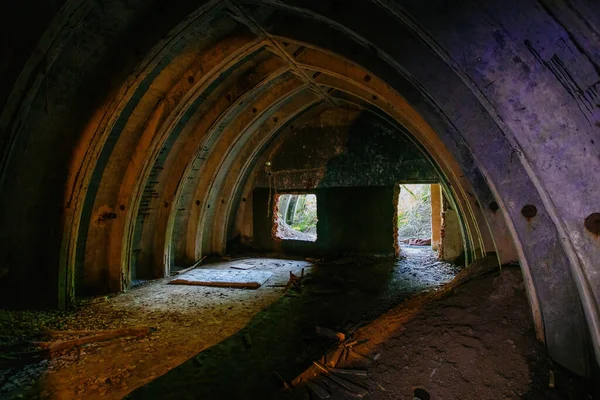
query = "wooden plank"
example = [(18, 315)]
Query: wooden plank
[(335, 356), (60, 345), (243, 266), (183, 271), (350, 371), (248, 279), (318, 390), (352, 389)]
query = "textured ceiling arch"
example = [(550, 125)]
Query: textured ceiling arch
[(133, 118), (403, 113)]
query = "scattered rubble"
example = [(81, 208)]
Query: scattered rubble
[(330, 334), (111, 369), (86, 336), (207, 316), (417, 242), (295, 281), (284, 231)]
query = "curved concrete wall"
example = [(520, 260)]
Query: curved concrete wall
[(132, 133)]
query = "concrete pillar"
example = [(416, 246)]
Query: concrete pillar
[(436, 216), (451, 243)]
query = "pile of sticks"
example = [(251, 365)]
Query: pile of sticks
[(325, 378)]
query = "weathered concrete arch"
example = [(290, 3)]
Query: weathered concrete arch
[(476, 244), (505, 95), (404, 115)]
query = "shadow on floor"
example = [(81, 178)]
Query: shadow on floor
[(281, 340)]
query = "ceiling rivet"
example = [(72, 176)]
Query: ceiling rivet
[(494, 206), (592, 223), (529, 211)]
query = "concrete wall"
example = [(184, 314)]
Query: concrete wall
[(351, 160), (352, 220), (347, 147), (451, 243), (501, 94)]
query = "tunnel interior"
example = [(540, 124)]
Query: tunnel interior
[(142, 141)]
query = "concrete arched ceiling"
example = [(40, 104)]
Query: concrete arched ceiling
[(135, 129)]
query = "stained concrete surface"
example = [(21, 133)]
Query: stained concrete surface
[(345, 147)]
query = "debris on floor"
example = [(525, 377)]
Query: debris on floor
[(336, 383), (92, 300), (204, 316), (32, 352), (243, 266), (425, 342), (231, 258), (184, 270), (417, 242), (242, 279), (86, 336), (449, 344), (324, 379), (295, 281), (330, 334)]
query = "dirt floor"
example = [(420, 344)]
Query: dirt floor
[(474, 341), (185, 321)]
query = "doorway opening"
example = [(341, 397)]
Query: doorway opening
[(296, 217), (428, 225), (414, 222)]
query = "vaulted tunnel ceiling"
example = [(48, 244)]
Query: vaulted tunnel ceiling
[(146, 125)]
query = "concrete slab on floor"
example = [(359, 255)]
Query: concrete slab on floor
[(234, 278)]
